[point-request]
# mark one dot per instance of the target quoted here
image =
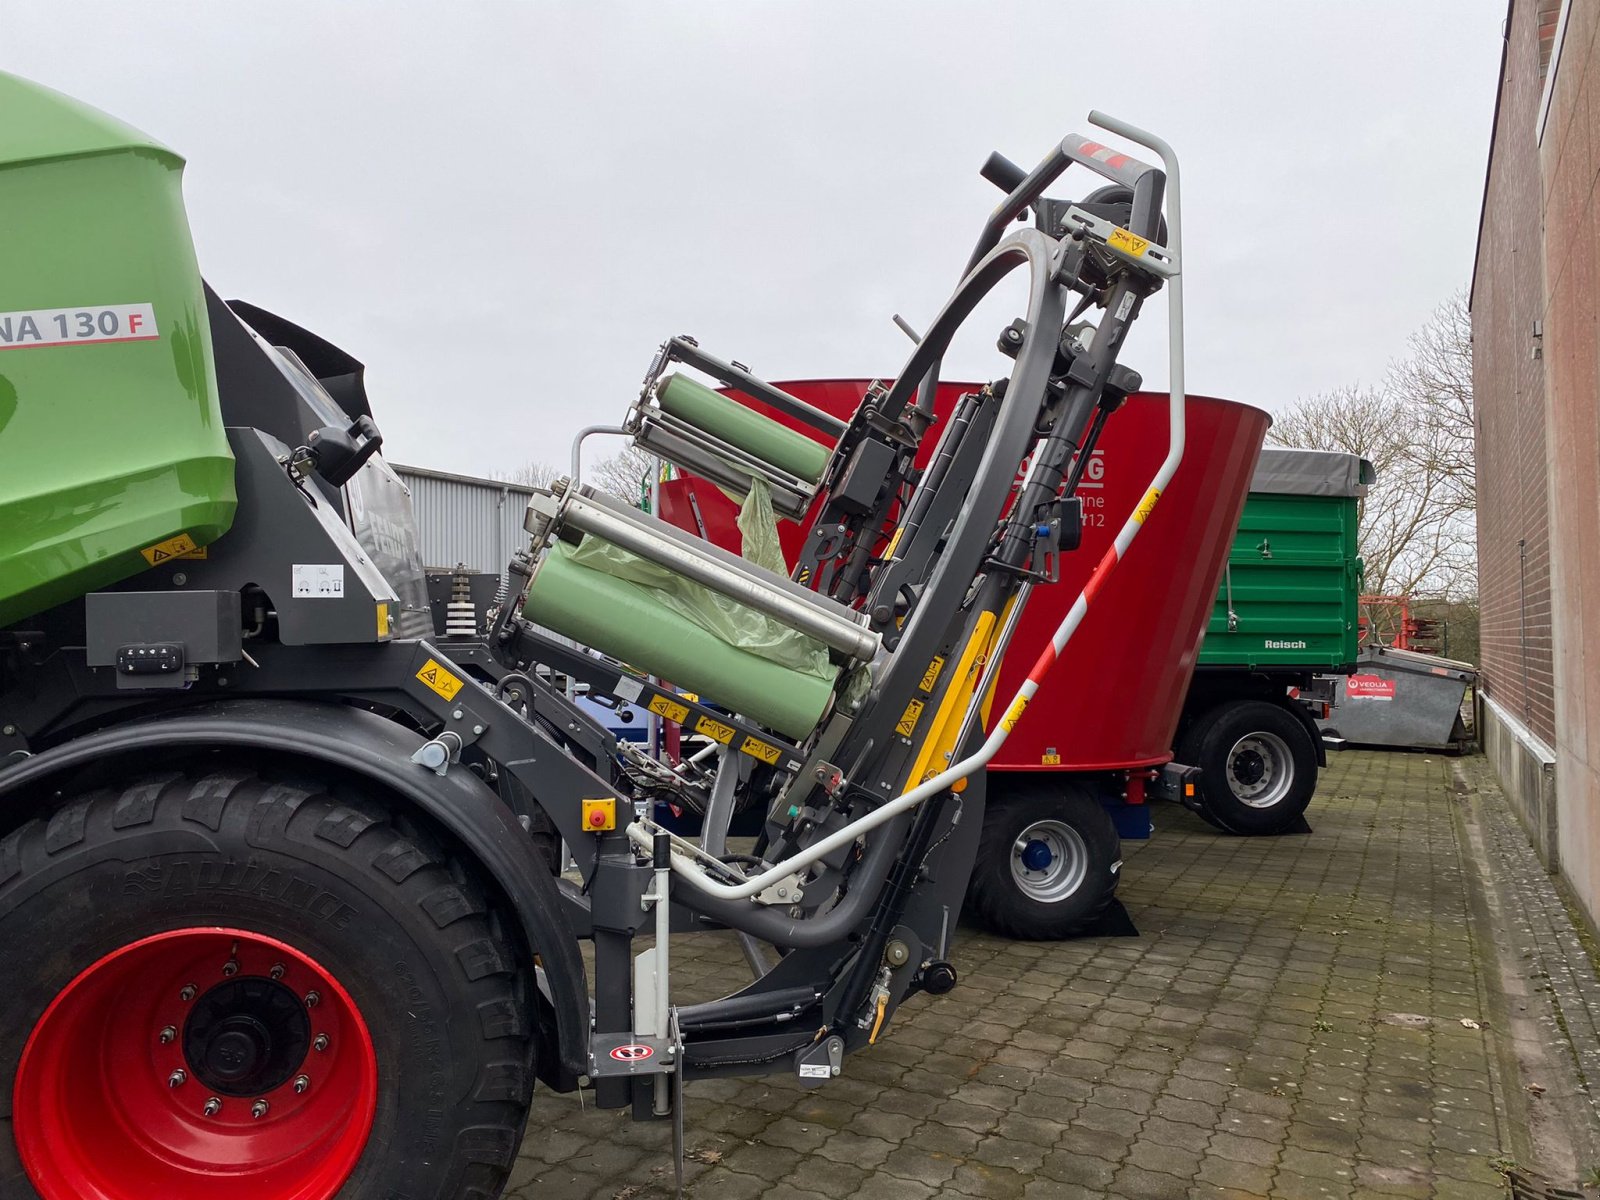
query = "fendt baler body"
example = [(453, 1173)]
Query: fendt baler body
[(110, 429)]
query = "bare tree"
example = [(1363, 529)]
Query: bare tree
[(1416, 523), (626, 475), (532, 474), (1436, 380)]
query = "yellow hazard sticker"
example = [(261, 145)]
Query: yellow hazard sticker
[(1147, 505), (1014, 713), (756, 748), (670, 709), (383, 620), (1049, 760), (715, 730), (436, 679), (1128, 243), (908, 719), (931, 675), (181, 546)]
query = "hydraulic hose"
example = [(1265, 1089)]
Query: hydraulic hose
[(641, 836)]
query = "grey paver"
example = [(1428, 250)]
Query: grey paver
[(1287, 1024)]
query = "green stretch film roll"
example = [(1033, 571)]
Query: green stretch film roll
[(713, 413), (634, 623)]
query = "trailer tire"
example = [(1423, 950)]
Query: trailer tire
[(1048, 860), (1258, 766), (286, 953)]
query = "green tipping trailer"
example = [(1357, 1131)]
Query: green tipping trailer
[(1285, 616), (110, 428)]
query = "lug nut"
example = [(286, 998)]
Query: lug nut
[(320, 1043), (277, 971), (312, 999), (188, 992), (213, 1107), (259, 1109), (302, 1084), (169, 1035), (178, 1078), (230, 968)]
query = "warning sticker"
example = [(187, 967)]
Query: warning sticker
[(1147, 505), (1369, 687), (756, 748), (931, 675), (76, 326), (1128, 243), (670, 709), (715, 730), (1050, 759), (632, 1052), (317, 581), (908, 719), (439, 680), (181, 546), (1014, 713)]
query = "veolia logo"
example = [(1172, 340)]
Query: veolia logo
[(1274, 645)]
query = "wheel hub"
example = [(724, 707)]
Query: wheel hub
[(1049, 861), (247, 1037), (1249, 767), (1036, 855), (193, 1061), (1260, 769)]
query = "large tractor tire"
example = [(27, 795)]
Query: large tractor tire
[(1258, 766), (1048, 859), (220, 984)]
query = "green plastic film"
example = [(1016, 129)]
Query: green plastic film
[(711, 412), (758, 530), (604, 597)]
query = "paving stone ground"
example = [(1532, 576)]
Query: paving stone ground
[(1319, 1015)]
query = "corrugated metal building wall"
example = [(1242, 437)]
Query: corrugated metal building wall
[(463, 519)]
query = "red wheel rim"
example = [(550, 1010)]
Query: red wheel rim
[(139, 1080)]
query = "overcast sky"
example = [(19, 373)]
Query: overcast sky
[(502, 208)]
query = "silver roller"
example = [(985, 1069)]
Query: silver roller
[(782, 599)]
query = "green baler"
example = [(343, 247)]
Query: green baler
[(1285, 614), (110, 430)]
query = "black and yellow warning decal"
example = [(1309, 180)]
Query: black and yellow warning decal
[(181, 546), (756, 748), (1128, 242), (908, 719), (436, 679), (715, 730), (670, 709)]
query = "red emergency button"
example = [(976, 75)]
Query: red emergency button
[(599, 815)]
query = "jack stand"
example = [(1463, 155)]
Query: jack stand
[(653, 1049), (676, 1037), (655, 1021)]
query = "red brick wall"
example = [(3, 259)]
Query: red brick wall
[(1508, 296), (1570, 160)]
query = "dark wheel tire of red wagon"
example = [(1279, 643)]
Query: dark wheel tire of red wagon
[(1258, 767), (224, 985), (1048, 859)]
